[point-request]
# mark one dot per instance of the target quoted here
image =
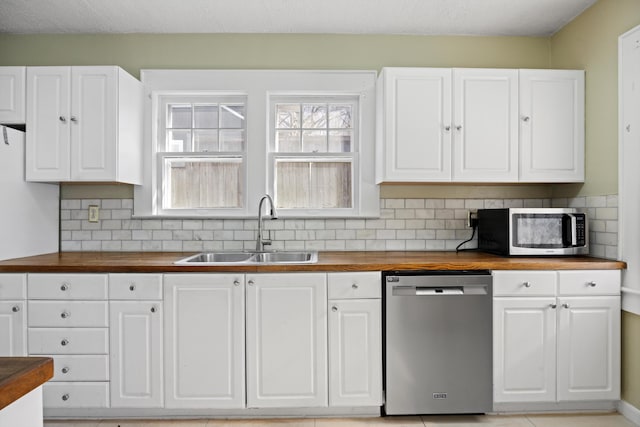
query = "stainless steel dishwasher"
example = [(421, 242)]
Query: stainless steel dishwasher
[(438, 342)]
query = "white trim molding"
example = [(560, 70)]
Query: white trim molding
[(629, 411)]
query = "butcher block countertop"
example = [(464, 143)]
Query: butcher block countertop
[(20, 375), (163, 262)]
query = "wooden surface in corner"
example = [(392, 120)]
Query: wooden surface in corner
[(20, 375), (163, 262)]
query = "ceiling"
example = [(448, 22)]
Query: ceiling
[(419, 17)]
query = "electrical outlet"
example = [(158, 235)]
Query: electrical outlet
[(472, 218), (94, 213)]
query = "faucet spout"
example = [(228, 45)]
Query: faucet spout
[(260, 241)]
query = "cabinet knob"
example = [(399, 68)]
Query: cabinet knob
[(354, 286), (65, 370), (65, 314), (459, 127), (15, 309), (153, 309), (527, 284), (251, 283), (64, 342), (526, 118), (591, 284), (565, 305), (132, 287), (74, 119), (236, 283), (334, 308), (447, 128), (65, 397), (63, 119), (64, 287), (553, 305)]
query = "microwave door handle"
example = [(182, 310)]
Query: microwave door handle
[(568, 230), (574, 230)]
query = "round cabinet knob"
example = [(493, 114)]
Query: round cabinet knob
[(565, 305), (334, 308), (459, 127), (251, 283), (526, 118), (236, 283), (64, 287), (354, 286), (447, 128), (15, 309), (74, 119), (527, 284), (64, 342), (65, 397), (132, 287), (553, 305), (153, 309), (65, 370), (63, 119), (592, 284), (65, 314)]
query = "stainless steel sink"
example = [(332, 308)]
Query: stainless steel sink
[(234, 258)]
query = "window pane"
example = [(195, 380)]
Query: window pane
[(340, 141), (340, 116), (232, 116), (179, 116), (314, 141), (314, 116), (288, 141), (232, 140), (287, 116), (205, 116), (205, 140), (313, 184), (178, 140), (203, 183)]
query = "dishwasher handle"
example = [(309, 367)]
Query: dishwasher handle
[(400, 290)]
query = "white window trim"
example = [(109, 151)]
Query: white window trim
[(257, 85)]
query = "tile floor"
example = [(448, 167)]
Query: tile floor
[(577, 420)]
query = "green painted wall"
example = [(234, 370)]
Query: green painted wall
[(631, 358)]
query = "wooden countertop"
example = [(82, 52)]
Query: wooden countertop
[(20, 375), (163, 262)]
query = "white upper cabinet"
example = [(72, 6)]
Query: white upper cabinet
[(480, 125), (84, 124), (12, 94), (551, 125), (414, 125), (485, 125)]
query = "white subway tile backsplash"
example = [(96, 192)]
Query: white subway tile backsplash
[(404, 224)]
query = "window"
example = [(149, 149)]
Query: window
[(313, 152), (201, 152), (218, 140)]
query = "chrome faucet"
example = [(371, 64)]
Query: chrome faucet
[(260, 242)]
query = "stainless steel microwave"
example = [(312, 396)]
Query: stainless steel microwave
[(533, 231)]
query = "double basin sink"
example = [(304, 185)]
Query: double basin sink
[(222, 258)]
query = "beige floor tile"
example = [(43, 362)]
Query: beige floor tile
[(153, 423), (476, 420), (362, 422), (68, 423), (277, 422), (581, 420)]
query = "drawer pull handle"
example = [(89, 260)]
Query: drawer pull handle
[(553, 305), (65, 370), (565, 305), (527, 284), (153, 309), (132, 287), (65, 397), (334, 308), (64, 287), (592, 284), (64, 342), (65, 314), (15, 309), (354, 286)]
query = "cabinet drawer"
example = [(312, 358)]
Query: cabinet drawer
[(13, 286), (523, 283), (135, 286), (68, 340), (65, 314), (67, 286), (76, 395), (81, 368), (589, 282), (354, 285)]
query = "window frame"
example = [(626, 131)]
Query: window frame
[(258, 86)]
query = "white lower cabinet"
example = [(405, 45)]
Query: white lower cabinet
[(204, 340), (556, 336), (13, 315), (286, 340)]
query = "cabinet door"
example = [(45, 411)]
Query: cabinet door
[(286, 340), (13, 329), (524, 349), (12, 95), (204, 340), (415, 142), (48, 121), (551, 125), (355, 353), (485, 125), (136, 354), (93, 123), (589, 348)]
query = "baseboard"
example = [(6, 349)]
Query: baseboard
[(630, 412)]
